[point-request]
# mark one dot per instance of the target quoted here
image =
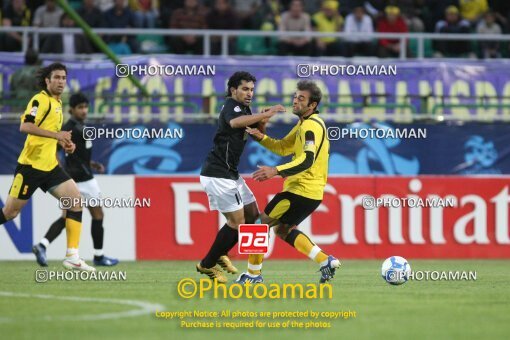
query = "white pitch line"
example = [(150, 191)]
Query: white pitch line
[(144, 307)]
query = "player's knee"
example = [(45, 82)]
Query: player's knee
[(11, 213), (282, 231), (76, 208), (252, 218), (97, 214), (251, 213), (235, 222)]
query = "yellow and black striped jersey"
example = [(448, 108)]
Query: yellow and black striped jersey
[(307, 173), (46, 112)]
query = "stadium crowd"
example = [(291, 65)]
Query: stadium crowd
[(350, 16)]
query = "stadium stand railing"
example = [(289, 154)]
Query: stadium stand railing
[(419, 41)]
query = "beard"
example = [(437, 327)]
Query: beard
[(299, 113)]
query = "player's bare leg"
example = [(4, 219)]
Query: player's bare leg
[(11, 209), (69, 190)]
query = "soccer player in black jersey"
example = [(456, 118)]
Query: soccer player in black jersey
[(79, 166), (226, 190)]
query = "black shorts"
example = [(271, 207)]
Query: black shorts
[(27, 180), (290, 208)]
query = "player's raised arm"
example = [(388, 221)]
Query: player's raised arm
[(247, 120), (281, 147)]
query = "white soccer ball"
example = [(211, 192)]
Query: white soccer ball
[(395, 270)]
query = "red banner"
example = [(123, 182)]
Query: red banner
[(179, 225)]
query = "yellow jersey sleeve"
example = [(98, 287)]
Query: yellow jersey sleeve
[(36, 109), (310, 136), (282, 147)]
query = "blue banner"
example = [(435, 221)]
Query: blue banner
[(454, 149)]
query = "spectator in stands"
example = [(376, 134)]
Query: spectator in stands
[(391, 23), (104, 5), (375, 8), (32, 4), (488, 25), (91, 14), (146, 12), (309, 6), (501, 10), (191, 16), (271, 15), (473, 10), (166, 8), (119, 16), (411, 12), (93, 17), (222, 17), (358, 22), (295, 20), (347, 6), (47, 15), (329, 20), (248, 12), (67, 43), (453, 23), (435, 13), (16, 14), (23, 84), (271, 12)]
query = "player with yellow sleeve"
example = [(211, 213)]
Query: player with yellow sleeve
[(305, 178), (38, 165)]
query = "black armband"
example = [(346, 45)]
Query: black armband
[(304, 165)]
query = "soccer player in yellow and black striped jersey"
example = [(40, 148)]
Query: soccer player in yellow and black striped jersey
[(37, 164), (305, 178)]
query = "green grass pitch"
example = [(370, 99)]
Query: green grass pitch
[(416, 310)]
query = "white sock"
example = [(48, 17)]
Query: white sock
[(72, 253), (98, 252), (324, 263), (45, 242), (253, 267), (313, 253)]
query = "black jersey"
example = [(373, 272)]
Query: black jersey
[(223, 159), (77, 164)]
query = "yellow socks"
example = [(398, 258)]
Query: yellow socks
[(305, 246), (73, 231), (255, 263)]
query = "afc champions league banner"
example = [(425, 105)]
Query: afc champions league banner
[(423, 84), (441, 149)]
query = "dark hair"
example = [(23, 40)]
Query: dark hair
[(313, 89), (77, 99), (63, 17), (236, 79), (45, 72)]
